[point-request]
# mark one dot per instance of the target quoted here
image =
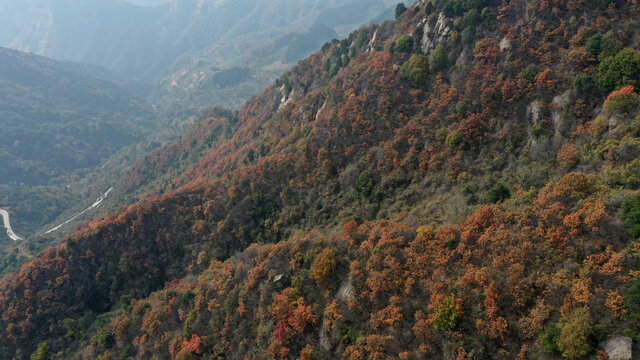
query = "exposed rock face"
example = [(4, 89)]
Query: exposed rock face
[(533, 111), (505, 43), (559, 120), (435, 34), (618, 348), (346, 291)]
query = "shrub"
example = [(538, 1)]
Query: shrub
[(441, 135), (499, 192), (622, 101), (594, 45), (415, 70), (429, 8), (538, 131), (426, 231), (632, 301), (70, 327), (455, 37), (631, 215), (550, 338), (400, 9), (631, 174), (461, 107), (471, 17), (584, 82), (364, 184), (609, 46), (438, 59), (620, 70), (104, 339), (323, 265), (568, 155), (447, 314), (404, 43), (576, 330), (468, 35), (43, 352), (450, 244), (186, 298), (530, 73), (124, 303), (454, 140), (418, 34)]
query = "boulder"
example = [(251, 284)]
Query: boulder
[(505, 43), (619, 348)]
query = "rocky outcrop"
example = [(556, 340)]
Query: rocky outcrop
[(619, 348), (436, 34), (505, 44)]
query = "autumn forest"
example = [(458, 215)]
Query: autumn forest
[(460, 183)]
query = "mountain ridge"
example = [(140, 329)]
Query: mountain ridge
[(422, 188)]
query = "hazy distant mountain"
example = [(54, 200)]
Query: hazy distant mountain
[(191, 44), (142, 41), (56, 120)]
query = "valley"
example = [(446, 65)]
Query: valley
[(58, 115)]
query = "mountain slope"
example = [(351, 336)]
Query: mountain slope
[(59, 125), (458, 184)]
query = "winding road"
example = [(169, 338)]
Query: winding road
[(14, 237), (93, 206), (7, 225)]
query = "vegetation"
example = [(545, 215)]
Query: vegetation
[(576, 330), (453, 140), (57, 122), (323, 265), (438, 60), (404, 43), (400, 9), (367, 202), (447, 314), (416, 70), (623, 101), (550, 339), (631, 215), (594, 45), (43, 352), (530, 73), (498, 192), (622, 69)]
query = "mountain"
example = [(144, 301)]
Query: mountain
[(193, 49), (142, 41), (59, 125), (458, 184), (229, 76), (57, 121)]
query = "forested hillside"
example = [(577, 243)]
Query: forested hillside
[(461, 183), (58, 124), (55, 120)]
